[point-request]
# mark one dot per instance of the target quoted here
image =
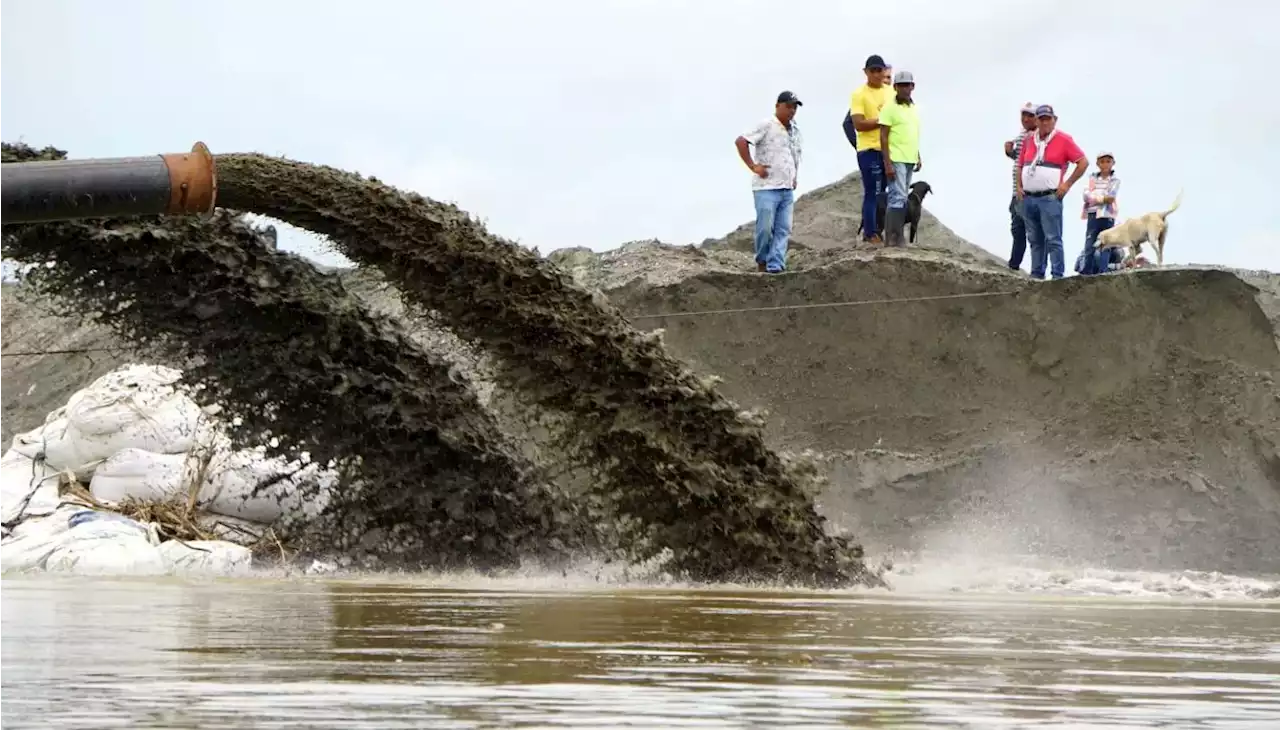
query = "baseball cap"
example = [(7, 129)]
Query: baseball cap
[(1045, 110), (903, 77), (787, 97), (1028, 108), (1100, 155), (874, 62)]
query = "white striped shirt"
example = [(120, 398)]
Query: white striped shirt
[(1100, 187), (1017, 151)]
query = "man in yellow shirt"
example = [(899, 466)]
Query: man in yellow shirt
[(865, 107), (900, 145)]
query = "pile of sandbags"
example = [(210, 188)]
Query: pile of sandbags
[(133, 434)]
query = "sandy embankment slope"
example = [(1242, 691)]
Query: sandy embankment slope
[(1131, 420), (1013, 423)]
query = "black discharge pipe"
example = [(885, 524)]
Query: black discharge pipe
[(58, 190)]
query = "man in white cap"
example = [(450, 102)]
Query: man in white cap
[(1017, 225), (1042, 185), (900, 144)]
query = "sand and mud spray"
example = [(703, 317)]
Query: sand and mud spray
[(681, 472)]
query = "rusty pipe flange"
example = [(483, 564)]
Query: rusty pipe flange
[(193, 181)]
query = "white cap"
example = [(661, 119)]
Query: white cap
[(1028, 108), (903, 77), (1100, 155)]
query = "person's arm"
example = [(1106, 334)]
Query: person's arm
[(884, 150), (1113, 189), (1082, 164), (744, 151), (1009, 151), (887, 120), (859, 107), (1077, 155), (1017, 178), (862, 124), (795, 180)]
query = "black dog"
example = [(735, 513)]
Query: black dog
[(915, 199)]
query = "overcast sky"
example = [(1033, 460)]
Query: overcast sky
[(595, 122)]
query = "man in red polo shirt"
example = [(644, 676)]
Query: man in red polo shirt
[(1042, 184)]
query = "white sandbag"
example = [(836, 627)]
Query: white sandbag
[(292, 489), (206, 557), (138, 406), (231, 529), (33, 442), (28, 488), (143, 475), (102, 543), (31, 542)]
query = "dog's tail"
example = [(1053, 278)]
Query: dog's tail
[(1176, 202)]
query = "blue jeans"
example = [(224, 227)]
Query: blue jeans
[(773, 227), (900, 185), (1106, 257), (1044, 233), (1092, 228), (1018, 227), (871, 165)]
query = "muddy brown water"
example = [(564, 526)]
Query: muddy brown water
[(458, 653)]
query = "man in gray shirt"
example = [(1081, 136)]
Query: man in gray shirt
[(773, 181)]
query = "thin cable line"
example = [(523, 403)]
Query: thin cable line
[(74, 351), (972, 295)]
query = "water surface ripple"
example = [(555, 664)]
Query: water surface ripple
[(80, 653)]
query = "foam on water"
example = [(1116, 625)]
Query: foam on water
[(1032, 576), (929, 576)]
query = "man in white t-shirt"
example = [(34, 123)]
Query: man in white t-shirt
[(774, 170)]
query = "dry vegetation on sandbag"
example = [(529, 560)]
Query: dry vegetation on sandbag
[(290, 352), (683, 470)]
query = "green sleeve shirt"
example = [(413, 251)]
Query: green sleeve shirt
[(903, 122)]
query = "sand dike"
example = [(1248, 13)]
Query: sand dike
[(685, 476), (290, 352), (1129, 420)]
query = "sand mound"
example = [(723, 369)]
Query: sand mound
[(1131, 419)]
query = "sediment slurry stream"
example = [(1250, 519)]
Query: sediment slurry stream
[(682, 469), (286, 349), (682, 475)]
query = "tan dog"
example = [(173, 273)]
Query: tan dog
[(1136, 231)]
